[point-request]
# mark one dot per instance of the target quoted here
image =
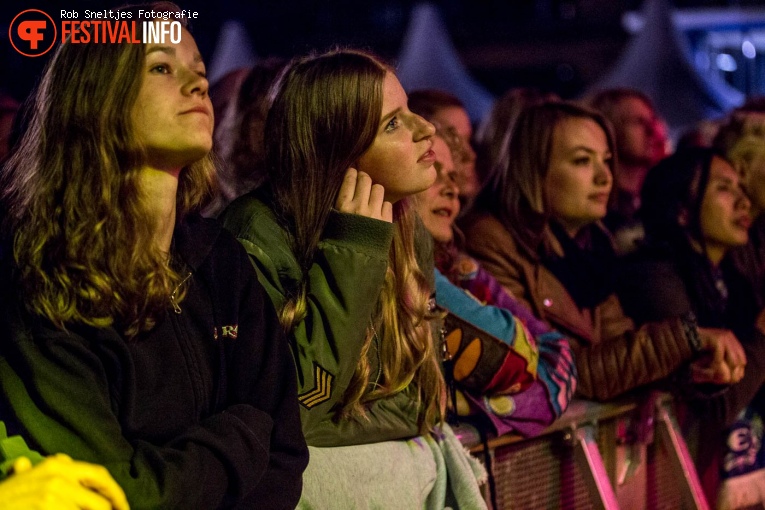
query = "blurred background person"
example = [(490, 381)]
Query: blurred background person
[(450, 114), (640, 136), (695, 212), (702, 134), (241, 101), (9, 107), (742, 140)]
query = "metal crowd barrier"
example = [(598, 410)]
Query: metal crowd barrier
[(625, 455)]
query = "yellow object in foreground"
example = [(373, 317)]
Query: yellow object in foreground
[(60, 482)]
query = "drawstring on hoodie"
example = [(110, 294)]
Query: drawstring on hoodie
[(175, 293)]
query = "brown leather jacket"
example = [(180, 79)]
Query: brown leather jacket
[(612, 357)]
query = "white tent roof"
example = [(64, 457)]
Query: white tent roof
[(232, 51), (429, 60), (657, 61)]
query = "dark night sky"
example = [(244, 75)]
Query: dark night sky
[(288, 27), (477, 27)]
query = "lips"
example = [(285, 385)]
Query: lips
[(429, 156), (446, 208), (743, 222), (599, 197), (442, 212), (197, 109)]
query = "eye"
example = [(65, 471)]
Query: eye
[(160, 69), (725, 187), (581, 160), (392, 125)]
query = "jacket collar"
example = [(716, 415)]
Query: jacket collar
[(194, 238)]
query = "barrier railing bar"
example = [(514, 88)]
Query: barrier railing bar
[(588, 457), (681, 458)]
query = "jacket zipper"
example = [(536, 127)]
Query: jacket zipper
[(175, 293)]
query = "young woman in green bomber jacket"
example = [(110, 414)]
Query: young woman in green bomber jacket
[(333, 239)]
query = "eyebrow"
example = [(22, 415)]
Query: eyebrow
[(169, 50), (588, 149), (164, 49)]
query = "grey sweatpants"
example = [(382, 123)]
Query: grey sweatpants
[(420, 473), (392, 474)]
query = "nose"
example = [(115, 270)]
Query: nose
[(449, 189), (603, 173), (423, 129), (195, 83), (743, 201)]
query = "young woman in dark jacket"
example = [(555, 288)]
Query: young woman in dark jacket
[(135, 333), (694, 213)]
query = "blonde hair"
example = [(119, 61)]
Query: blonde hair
[(323, 118), (742, 139)]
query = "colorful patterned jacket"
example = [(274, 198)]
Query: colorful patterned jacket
[(485, 303)]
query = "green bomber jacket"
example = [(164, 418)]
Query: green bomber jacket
[(344, 283)]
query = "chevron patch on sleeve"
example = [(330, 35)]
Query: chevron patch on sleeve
[(321, 391)]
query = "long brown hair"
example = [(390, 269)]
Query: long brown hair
[(323, 119), (83, 236), (494, 133), (515, 190)]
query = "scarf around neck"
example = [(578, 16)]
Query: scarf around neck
[(587, 267)]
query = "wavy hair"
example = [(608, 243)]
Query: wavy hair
[(323, 119), (515, 189), (82, 233)]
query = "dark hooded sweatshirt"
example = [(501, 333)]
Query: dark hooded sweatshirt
[(200, 412)]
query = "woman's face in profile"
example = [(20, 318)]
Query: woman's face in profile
[(724, 216), (579, 178), (400, 157), (173, 116)]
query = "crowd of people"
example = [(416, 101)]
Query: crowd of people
[(284, 289)]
